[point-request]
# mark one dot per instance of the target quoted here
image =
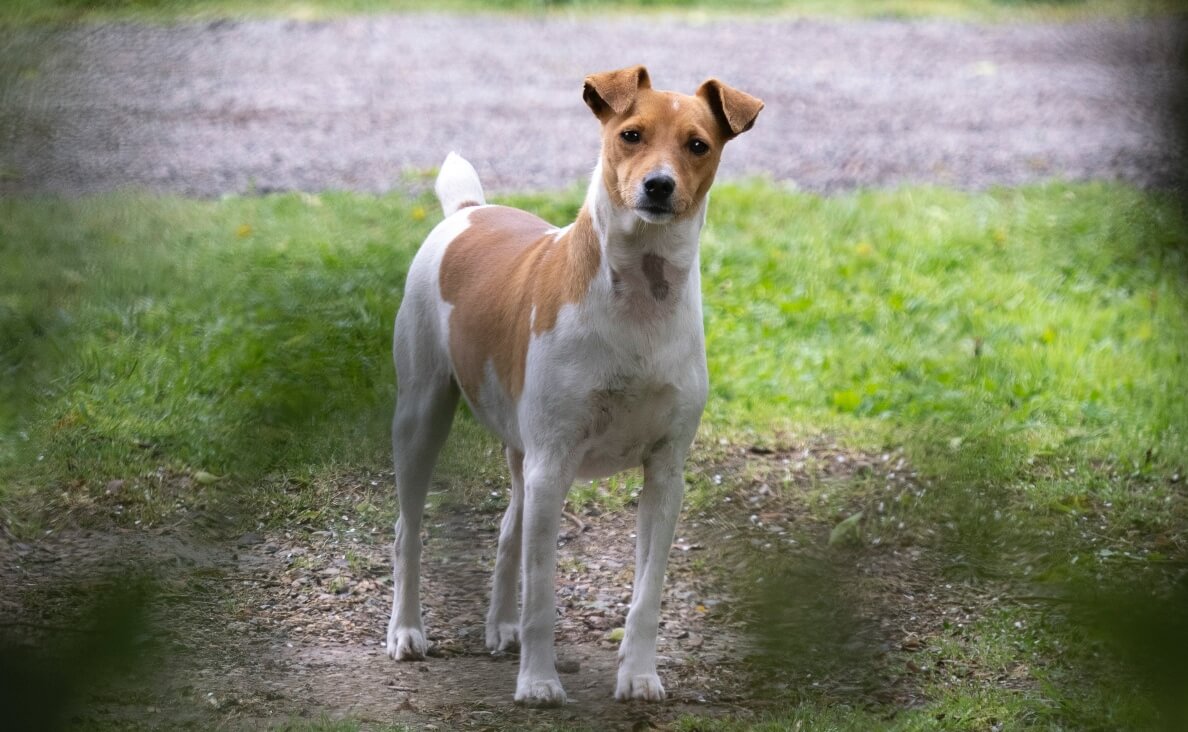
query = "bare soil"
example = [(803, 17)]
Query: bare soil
[(271, 627)]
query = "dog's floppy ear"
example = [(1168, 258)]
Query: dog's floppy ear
[(612, 92), (736, 111)]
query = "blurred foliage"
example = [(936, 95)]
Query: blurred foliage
[(109, 636)]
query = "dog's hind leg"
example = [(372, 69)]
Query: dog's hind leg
[(425, 404), (503, 621)]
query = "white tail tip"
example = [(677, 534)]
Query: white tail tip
[(458, 185)]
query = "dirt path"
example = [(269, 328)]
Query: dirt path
[(368, 103), (276, 626)]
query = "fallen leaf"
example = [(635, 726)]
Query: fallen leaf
[(847, 531)]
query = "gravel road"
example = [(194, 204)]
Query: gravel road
[(368, 103)]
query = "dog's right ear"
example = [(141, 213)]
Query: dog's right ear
[(613, 92), (736, 110)]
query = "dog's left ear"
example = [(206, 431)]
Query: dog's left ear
[(613, 92), (736, 111)]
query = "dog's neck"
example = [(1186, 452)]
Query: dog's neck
[(647, 268)]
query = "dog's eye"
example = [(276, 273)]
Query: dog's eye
[(698, 147), (630, 136)]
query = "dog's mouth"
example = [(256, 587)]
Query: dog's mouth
[(655, 214)]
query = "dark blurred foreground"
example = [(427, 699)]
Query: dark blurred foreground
[(50, 670)]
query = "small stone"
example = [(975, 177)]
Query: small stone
[(595, 622)]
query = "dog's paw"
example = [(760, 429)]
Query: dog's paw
[(503, 637), (646, 687), (407, 644), (540, 693)]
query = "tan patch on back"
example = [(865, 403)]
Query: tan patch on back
[(495, 273)]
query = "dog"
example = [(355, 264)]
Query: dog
[(581, 348)]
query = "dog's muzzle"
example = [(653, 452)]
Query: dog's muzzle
[(656, 205)]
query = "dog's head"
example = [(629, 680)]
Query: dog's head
[(660, 149)]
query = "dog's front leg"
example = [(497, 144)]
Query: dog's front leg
[(659, 507), (545, 487)]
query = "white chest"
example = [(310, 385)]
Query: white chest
[(626, 423)]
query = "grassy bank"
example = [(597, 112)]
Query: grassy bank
[(59, 11)]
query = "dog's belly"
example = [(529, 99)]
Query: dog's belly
[(625, 426)]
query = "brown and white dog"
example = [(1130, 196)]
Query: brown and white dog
[(581, 348)]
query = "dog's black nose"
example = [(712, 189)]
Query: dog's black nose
[(659, 187)]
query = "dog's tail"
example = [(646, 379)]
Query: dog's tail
[(458, 185)]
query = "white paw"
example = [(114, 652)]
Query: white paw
[(407, 644), (503, 637), (540, 693), (646, 687)]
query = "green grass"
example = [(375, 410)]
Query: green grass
[(970, 713), (38, 11), (1054, 310), (226, 336), (252, 333)]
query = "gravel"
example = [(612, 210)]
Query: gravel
[(372, 103)]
